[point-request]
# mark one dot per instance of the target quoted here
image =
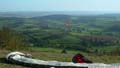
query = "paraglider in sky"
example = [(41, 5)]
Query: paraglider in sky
[(68, 27), (68, 24)]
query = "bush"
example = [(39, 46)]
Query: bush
[(11, 40)]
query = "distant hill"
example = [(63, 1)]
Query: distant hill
[(37, 13)]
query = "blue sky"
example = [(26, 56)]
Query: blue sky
[(60, 5)]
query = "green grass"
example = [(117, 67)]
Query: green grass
[(55, 54)]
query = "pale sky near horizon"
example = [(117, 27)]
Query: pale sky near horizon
[(60, 5)]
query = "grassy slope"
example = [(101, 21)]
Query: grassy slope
[(55, 54)]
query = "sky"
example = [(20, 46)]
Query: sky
[(60, 5)]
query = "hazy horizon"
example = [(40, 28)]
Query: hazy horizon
[(107, 6)]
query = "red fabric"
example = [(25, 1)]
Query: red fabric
[(79, 59), (68, 24)]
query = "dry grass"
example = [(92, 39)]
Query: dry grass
[(55, 54)]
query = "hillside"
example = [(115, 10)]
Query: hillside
[(84, 33)]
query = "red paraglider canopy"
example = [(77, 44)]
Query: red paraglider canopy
[(68, 24)]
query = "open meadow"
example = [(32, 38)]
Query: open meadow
[(55, 54)]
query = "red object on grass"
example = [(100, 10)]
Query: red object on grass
[(79, 59)]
